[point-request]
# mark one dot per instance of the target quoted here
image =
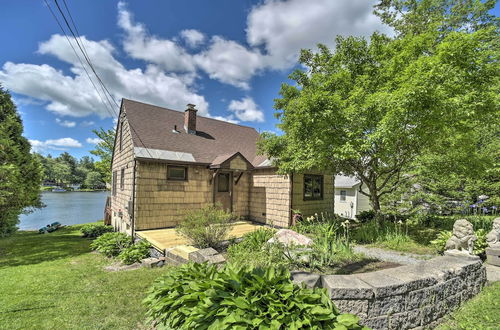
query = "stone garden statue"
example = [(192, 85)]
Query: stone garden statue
[(493, 237), (463, 237), (493, 240)]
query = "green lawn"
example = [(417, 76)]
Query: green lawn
[(54, 281), (481, 312)]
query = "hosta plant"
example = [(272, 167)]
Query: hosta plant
[(111, 244), (93, 230), (135, 253), (199, 296)]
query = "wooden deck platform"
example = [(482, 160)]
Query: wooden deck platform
[(167, 237)]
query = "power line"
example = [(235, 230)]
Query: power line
[(78, 57), (85, 56), (89, 62)]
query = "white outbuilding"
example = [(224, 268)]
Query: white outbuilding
[(348, 200)]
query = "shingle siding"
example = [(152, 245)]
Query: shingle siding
[(310, 207), (270, 198), (123, 159)]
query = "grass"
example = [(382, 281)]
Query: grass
[(481, 312), (54, 281), (414, 235)]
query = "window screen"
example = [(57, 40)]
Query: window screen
[(176, 173), (343, 194), (121, 135), (114, 183), (313, 187), (223, 182), (122, 179)]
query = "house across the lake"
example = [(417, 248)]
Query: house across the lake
[(167, 162)]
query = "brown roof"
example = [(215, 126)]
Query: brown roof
[(153, 129)]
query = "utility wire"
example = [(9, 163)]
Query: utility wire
[(85, 56), (79, 59), (81, 46)]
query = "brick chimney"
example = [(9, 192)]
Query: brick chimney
[(190, 119)]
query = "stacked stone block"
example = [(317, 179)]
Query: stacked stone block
[(406, 297)]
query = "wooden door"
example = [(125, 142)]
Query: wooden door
[(223, 190)]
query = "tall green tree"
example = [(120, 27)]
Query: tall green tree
[(20, 172), (104, 150), (369, 108), (93, 180)]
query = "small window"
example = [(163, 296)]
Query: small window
[(176, 173), (343, 195), (121, 135), (114, 183), (313, 187), (122, 179), (223, 182)]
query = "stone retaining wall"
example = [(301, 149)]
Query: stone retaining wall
[(407, 297)]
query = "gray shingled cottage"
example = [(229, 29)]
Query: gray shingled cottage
[(166, 162)]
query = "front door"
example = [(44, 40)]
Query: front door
[(223, 190)]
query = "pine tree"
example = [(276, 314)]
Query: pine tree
[(20, 171)]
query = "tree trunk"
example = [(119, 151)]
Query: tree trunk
[(374, 200)]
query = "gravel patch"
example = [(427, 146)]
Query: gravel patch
[(391, 256)]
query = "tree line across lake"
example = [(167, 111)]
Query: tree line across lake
[(66, 170)]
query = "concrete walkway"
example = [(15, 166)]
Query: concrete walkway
[(391, 256)]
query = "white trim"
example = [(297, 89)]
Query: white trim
[(163, 154)]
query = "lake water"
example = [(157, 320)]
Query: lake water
[(68, 208)]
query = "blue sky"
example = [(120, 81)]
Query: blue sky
[(227, 57)]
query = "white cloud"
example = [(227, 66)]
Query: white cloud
[(229, 62), (65, 123), (73, 95), (246, 110), (193, 38), (93, 140), (229, 119), (139, 45), (57, 144), (276, 31), (87, 123), (285, 27)]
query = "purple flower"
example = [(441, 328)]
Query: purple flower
[(494, 207), (473, 205)]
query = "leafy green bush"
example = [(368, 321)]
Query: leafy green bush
[(111, 244), (328, 251), (253, 251), (135, 253), (443, 236), (440, 242), (366, 216), (94, 230), (199, 296), (480, 244), (367, 232), (206, 227), (256, 239)]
